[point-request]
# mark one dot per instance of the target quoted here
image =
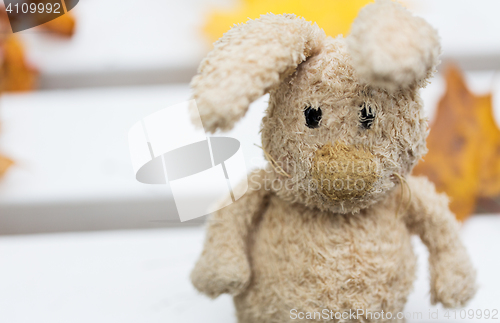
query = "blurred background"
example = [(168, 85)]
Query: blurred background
[(81, 240)]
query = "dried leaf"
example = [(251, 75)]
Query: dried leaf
[(5, 163), (63, 25), (18, 75), (335, 17), (464, 147), (16, 72)]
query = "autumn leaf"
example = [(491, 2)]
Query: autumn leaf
[(5, 163), (335, 17), (464, 147), (17, 73), (63, 25)]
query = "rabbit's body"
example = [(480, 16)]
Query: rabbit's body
[(309, 261)]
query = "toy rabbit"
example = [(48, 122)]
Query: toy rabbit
[(327, 225)]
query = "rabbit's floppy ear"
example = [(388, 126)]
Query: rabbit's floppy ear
[(248, 61), (392, 49)]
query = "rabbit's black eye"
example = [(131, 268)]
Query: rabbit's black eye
[(313, 117), (366, 116)]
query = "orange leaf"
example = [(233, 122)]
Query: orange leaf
[(5, 163), (18, 75), (464, 147), (63, 25)]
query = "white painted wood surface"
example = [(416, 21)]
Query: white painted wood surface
[(72, 164), (142, 276), (126, 42), (73, 170)]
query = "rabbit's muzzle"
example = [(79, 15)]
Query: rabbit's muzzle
[(344, 172)]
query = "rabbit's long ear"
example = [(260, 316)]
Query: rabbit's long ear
[(249, 60), (392, 49)]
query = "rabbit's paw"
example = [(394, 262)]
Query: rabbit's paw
[(215, 278), (453, 284)]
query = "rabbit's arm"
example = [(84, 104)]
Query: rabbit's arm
[(452, 274), (223, 266)]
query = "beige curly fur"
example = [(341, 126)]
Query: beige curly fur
[(383, 53), (292, 241), (240, 69)]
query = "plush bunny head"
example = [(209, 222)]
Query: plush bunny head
[(345, 120)]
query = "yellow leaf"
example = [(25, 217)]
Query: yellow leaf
[(334, 16)]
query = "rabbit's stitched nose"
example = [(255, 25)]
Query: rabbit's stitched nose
[(344, 172)]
